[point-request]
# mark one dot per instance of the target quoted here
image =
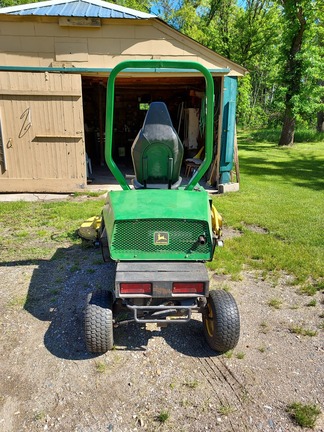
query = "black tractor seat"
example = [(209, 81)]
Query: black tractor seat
[(157, 151)]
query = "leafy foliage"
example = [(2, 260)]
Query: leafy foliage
[(304, 415), (5, 3), (140, 5), (259, 34), (280, 42)]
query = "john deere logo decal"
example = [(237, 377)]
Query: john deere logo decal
[(161, 238)]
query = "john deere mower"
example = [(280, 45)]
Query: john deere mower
[(160, 233)]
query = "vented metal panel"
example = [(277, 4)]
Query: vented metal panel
[(138, 239)]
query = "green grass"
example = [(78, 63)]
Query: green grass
[(264, 328), (278, 212), (303, 331), (282, 192), (88, 194), (192, 384), (40, 416), (34, 230), (304, 415), (17, 302), (225, 410), (240, 355), (312, 289), (275, 303), (228, 354), (163, 416), (101, 367), (312, 303), (273, 135)]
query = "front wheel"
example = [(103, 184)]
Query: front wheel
[(99, 322), (221, 321)]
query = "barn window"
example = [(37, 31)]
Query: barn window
[(2, 153)]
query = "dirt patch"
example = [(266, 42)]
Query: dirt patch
[(155, 379)]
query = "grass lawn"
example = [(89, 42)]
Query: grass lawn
[(279, 214), (279, 211), (35, 230)]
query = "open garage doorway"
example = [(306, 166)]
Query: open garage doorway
[(184, 97)]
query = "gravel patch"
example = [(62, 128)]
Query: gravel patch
[(155, 379)]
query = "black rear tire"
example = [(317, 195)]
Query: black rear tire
[(99, 322), (221, 321)]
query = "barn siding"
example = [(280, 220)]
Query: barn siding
[(49, 154), (45, 42)]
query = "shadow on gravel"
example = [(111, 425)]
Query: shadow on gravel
[(187, 339), (57, 293)]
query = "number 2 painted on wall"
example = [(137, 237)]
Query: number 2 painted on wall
[(26, 117)]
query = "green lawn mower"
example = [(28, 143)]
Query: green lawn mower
[(160, 233)]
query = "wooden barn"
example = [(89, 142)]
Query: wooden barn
[(55, 58)]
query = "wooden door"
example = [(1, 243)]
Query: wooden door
[(42, 135)]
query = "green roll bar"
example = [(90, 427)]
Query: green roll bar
[(160, 66)]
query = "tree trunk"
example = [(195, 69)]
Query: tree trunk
[(320, 121), (288, 129), (320, 114), (296, 19)]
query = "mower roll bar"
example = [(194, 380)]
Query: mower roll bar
[(160, 66)]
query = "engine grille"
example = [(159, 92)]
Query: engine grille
[(139, 239)]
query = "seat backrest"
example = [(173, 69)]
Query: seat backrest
[(157, 151)]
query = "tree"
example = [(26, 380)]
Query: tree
[(183, 15), (276, 40), (300, 17), (6, 3), (250, 36), (140, 5), (320, 114), (280, 42)]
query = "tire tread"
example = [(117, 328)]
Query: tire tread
[(99, 322), (226, 321)]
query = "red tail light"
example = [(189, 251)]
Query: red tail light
[(188, 288), (135, 288)]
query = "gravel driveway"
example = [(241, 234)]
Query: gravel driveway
[(155, 379)]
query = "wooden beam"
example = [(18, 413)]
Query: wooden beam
[(35, 93), (9, 185)]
